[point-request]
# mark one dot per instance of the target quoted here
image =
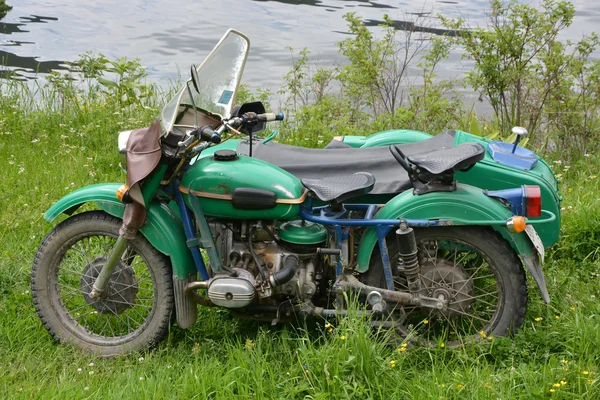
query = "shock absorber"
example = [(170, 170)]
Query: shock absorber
[(408, 261)]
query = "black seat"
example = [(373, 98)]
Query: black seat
[(306, 163), (340, 188), (437, 162)]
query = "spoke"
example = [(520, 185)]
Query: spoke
[(474, 298), (70, 291), (77, 273), (465, 284), (470, 316), (451, 326), (129, 304)]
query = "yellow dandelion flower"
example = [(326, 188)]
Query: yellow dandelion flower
[(557, 316), (482, 333), (401, 349), (404, 344), (327, 325), (330, 330), (392, 363), (459, 386), (442, 345), (343, 337), (572, 308), (425, 321), (538, 319), (563, 382), (552, 390), (556, 385), (586, 372)]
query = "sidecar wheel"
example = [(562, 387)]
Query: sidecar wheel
[(134, 312), (474, 269)]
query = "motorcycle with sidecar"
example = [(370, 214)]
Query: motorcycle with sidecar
[(434, 237)]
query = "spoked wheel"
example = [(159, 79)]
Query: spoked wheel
[(133, 312), (474, 271)]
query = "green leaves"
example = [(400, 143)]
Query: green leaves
[(522, 68), (4, 8)]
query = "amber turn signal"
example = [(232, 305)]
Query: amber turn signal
[(122, 191), (516, 224)]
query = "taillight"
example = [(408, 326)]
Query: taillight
[(533, 201)]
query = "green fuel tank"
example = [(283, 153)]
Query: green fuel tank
[(232, 186)]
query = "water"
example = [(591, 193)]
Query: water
[(167, 36)]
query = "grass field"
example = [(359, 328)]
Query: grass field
[(47, 151)]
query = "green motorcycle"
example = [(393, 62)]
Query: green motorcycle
[(201, 222)]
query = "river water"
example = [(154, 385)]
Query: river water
[(167, 36)]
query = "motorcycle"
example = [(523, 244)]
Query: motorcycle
[(201, 223)]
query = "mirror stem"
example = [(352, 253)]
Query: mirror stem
[(194, 104)]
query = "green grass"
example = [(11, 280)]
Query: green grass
[(46, 152)]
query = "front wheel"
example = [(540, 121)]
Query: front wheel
[(474, 269), (134, 311)]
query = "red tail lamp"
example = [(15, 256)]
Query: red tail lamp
[(533, 201)]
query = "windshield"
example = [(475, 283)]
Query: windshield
[(218, 78)]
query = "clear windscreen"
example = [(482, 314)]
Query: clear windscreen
[(218, 78)]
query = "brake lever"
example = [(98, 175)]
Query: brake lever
[(187, 141)]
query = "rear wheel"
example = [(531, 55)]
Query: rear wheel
[(134, 311), (474, 269)]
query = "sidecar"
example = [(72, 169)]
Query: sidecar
[(498, 170), (350, 154)]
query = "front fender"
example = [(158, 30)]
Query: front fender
[(467, 205), (163, 227)]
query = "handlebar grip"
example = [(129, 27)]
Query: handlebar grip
[(270, 117), (207, 133)]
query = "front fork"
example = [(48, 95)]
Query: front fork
[(149, 188), (107, 270)]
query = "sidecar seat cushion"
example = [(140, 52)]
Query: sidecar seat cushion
[(340, 188), (455, 159)]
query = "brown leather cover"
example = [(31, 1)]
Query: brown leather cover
[(143, 155)]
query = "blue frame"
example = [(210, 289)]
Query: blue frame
[(382, 227), (188, 227)]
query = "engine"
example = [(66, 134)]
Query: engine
[(265, 264)]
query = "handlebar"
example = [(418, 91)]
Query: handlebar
[(251, 118), (210, 135), (204, 133), (268, 117)]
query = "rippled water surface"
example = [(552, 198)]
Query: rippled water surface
[(39, 35)]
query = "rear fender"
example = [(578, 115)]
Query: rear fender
[(465, 206), (163, 227)]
